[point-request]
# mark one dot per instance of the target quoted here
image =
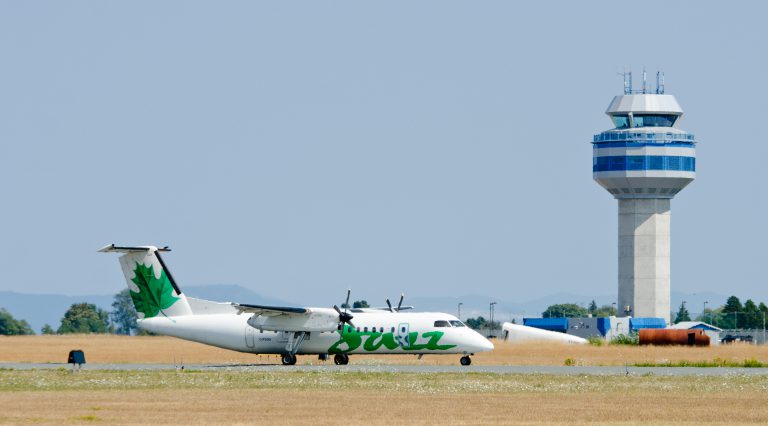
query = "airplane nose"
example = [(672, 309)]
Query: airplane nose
[(485, 345), (481, 344)]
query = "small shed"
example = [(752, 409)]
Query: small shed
[(709, 329)]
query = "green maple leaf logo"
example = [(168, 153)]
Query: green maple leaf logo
[(155, 294)]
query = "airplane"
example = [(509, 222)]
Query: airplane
[(162, 308)]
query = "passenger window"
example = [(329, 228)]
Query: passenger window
[(365, 329), (381, 329), (442, 323), (393, 330)]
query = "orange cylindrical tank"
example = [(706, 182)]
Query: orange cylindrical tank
[(665, 336)]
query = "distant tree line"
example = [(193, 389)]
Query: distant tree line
[(481, 323), (732, 315), (82, 318), (88, 318), (10, 326), (572, 310)]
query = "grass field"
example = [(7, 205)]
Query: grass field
[(159, 349), (335, 396), (289, 397)]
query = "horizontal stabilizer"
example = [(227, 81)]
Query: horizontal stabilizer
[(113, 248)]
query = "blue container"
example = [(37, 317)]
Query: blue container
[(551, 324), (638, 323)]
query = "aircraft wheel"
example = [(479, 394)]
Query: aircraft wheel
[(465, 360), (288, 359), (341, 359)]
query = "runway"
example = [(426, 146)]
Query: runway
[(414, 369)]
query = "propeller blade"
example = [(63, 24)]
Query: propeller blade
[(346, 305), (344, 317), (390, 306), (399, 304)]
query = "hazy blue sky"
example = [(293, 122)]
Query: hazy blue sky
[(299, 149)]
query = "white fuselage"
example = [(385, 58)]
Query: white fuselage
[(374, 333)]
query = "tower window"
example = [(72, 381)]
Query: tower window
[(654, 120), (620, 121)]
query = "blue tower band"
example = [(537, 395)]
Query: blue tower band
[(644, 161)]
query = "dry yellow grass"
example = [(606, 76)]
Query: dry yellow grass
[(159, 349), (287, 396), (219, 406)]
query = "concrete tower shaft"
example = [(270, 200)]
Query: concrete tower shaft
[(644, 162)]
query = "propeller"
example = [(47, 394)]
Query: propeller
[(399, 304), (344, 317)]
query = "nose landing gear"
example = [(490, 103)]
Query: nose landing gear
[(465, 360)]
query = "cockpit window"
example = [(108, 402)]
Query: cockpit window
[(456, 323), (441, 323)]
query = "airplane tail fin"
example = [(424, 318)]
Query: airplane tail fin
[(153, 290)]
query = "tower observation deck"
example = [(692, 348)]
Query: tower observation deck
[(644, 161)]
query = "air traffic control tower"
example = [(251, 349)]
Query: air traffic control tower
[(644, 162)]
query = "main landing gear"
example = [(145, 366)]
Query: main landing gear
[(341, 359), (289, 359), (465, 360)]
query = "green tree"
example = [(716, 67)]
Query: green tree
[(763, 314), (85, 318), (360, 304), (568, 310), (730, 314), (47, 329), (480, 322), (476, 323), (593, 307), (123, 313), (605, 311), (682, 314), (708, 316), (752, 315), (10, 326)]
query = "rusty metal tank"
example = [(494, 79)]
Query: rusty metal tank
[(665, 336)]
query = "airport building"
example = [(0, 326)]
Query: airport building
[(644, 161)]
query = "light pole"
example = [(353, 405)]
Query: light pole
[(704, 312), (490, 332), (460, 310), (615, 312)]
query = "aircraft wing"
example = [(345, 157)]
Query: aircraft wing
[(267, 310), (280, 318)]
